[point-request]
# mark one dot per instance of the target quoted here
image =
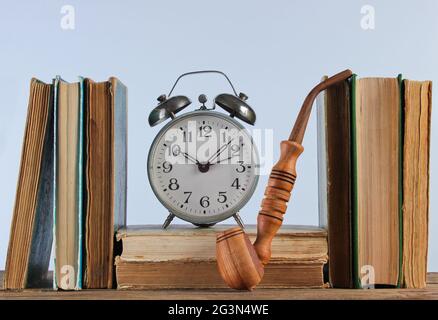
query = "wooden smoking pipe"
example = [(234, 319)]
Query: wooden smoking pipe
[(240, 263)]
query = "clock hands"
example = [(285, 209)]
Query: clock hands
[(222, 160), (204, 167), (219, 151), (189, 157), (184, 154)]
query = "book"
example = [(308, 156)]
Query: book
[(416, 150), (179, 274), (334, 181), (157, 258), (71, 188), (30, 238), (376, 172), (376, 180), (152, 243), (68, 184), (106, 124)]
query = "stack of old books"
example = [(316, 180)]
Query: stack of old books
[(374, 146), (71, 188), (184, 257)]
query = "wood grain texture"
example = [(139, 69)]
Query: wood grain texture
[(239, 262), (242, 257), (300, 125), (277, 194), (429, 293)]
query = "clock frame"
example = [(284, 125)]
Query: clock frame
[(180, 210)]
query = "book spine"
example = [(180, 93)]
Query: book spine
[(354, 201), (55, 169), (80, 191), (322, 158), (400, 179)]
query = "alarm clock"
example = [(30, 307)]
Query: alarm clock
[(203, 165)]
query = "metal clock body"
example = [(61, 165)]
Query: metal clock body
[(203, 167)]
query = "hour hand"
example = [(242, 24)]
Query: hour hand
[(189, 157)]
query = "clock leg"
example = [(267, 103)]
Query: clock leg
[(168, 220), (238, 219)]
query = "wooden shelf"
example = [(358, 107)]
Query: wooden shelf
[(431, 292)]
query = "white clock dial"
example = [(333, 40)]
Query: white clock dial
[(203, 167)]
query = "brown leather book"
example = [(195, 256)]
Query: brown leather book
[(184, 256), (105, 177)]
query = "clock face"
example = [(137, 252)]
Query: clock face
[(203, 167)]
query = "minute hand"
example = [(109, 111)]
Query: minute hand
[(219, 151), (222, 160)]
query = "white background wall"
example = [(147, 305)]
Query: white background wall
[(274, 51)]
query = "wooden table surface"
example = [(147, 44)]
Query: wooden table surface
[(431, 292)]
